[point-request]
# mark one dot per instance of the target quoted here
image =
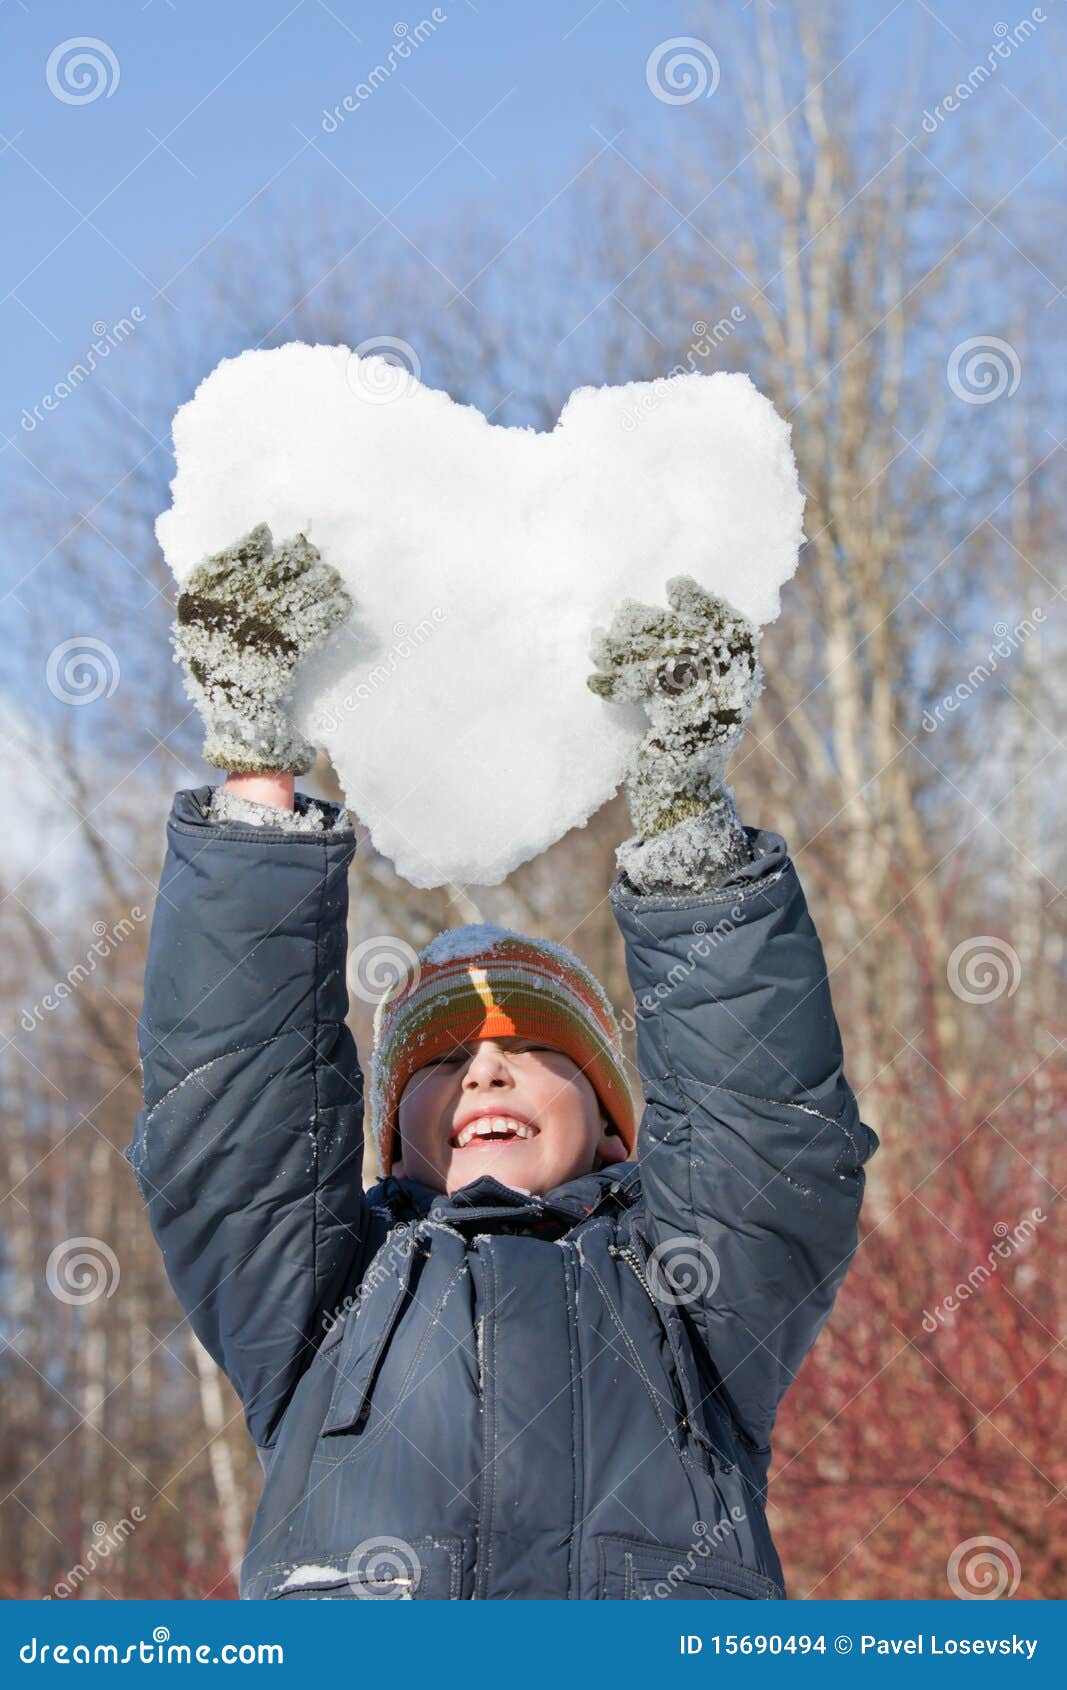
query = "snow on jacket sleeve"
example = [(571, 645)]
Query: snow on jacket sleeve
[(751, 1141), (248, 1151)]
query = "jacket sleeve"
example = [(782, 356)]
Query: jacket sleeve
[(751, 1148), (248, 1151)]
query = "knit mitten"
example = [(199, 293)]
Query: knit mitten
[(246, 618), (695, 667)]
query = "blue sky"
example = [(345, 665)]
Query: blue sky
[(211, 112), (215, 111)]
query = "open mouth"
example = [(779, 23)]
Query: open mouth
[(492, 1129)]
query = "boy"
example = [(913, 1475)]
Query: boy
[(523, 1365)]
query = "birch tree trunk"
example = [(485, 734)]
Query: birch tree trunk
[(220, 1455)]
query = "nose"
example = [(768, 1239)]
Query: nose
[(487, 1067)]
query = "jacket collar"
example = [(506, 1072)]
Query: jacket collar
[(486, 1205)]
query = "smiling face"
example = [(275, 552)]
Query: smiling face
[(509, 1107)]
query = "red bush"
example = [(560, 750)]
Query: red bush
[(931, 1410)]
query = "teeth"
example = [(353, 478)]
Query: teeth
[(486, 1126)]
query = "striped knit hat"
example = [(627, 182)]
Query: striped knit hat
[(486, 982)]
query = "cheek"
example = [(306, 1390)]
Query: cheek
[(567, 1102), (425, 1098)]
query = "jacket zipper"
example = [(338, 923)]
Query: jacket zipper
[(634, 1263), (481, 1270), (636, 1266), (571, 1259), (633, 1260)]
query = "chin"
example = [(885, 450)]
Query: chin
[(506, 1166)]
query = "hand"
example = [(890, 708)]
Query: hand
[(695, 666), (246, 618)]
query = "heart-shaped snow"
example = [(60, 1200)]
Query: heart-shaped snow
[(480, 558)]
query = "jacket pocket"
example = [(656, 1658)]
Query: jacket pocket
[(368, 1330), (380, 1569), (634, 1571)]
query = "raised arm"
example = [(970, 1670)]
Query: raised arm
[(751, 1147), (249, 1148), (751, 1140), (248, 1151)]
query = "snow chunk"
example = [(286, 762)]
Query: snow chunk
[(480, 558), (310, 1574), (479, 939)]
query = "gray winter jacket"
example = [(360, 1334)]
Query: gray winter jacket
[(493, 1395)]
